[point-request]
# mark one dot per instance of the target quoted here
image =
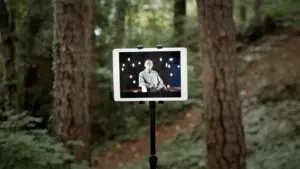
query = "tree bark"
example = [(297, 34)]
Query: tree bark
[(72, 25), (225, 142), (179, 22), (7, 28)]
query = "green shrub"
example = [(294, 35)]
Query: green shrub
[(24, 148), (272, 138)]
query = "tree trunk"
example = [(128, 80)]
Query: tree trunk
[(179, 22), (94, 92), (119, 34), (225, 142), (31, 67), (129, 23), (7, 28), (243, 14), (257, 8), (72, 25)]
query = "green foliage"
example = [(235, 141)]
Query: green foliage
[(279, 92), (272, 138), (286, 12), (21, 147), (281, 8), (273, 134)]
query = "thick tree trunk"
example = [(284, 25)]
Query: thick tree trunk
[(7, 28), (72, 24), (224, 129), (179, 22)]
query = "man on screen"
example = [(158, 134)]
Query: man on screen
[(149, 80)]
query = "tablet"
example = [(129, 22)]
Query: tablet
[(150, 74)]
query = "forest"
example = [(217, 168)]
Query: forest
[(56, 90)]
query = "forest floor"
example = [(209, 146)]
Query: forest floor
[(269, 61), (138, 148)]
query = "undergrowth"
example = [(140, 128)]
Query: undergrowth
[(272, 138), (22, 147)]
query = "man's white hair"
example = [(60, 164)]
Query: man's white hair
[(148, 60)]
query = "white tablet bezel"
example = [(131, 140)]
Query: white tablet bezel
[(183, 68)]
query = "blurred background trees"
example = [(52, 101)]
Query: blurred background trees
[(29, 47)]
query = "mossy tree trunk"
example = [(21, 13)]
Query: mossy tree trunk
[(72, 25), (225, 142)]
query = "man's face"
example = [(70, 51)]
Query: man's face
[(148, 65)]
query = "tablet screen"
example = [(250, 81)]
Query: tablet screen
[(150, 74)]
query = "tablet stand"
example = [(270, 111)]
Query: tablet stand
[(152, 105)]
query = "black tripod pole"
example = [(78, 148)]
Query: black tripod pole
[(152, 158)]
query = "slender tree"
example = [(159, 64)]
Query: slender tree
[(179, 22), (36, 65), (7, 29), (94, 92), (225, 142), (119, 22), (257, 9), (242, 14), (72, 25)]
